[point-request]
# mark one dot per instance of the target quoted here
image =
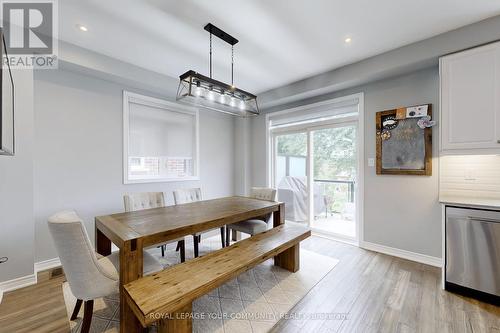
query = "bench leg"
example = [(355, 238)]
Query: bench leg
[(181, 322), (289, 259)]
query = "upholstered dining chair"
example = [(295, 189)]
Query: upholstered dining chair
[(254, 226), (146, 200), (182, 196), (88, 276)]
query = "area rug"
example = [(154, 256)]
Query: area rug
[(253, 302)]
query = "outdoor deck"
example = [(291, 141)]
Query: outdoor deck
[(334, 224)]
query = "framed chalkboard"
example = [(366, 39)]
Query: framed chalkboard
[(404, 144)]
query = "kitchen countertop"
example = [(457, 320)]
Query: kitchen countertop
[(470, 201)]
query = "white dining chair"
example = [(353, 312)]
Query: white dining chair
[(254, 226), (182, 196), (88, 276), (147, 200)]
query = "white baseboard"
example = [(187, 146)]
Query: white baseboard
[(47, 264), (28, 280), (334, 237), (21, 282), (417, 257)]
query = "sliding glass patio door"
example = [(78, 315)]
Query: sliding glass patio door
[(334, 164), (315, 172), (291, 169)]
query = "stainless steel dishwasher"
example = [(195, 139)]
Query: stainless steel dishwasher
[(473, 252)]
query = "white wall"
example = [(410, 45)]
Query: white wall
[(16, 187), (242, 154), (402, 212), (78, 152)]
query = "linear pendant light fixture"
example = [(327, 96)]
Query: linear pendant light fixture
[(197, 89)]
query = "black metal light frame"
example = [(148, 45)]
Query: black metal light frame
[(200, 90)]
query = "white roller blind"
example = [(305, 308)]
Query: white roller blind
[(314, 112), (159, 132), (161, 141)]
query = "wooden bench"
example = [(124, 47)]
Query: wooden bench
[(166, 297)]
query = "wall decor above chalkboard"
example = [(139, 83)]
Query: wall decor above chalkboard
[(404, 141)]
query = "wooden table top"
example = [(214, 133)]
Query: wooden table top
[(171, 222)]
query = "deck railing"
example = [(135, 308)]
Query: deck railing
[(350, 188)]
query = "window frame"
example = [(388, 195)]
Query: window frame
[(130, 97)]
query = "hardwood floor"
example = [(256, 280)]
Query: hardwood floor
[(38, 308), (365, 292), (372, 292)]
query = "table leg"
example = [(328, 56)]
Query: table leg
[(131, 262), (181, 321), (289, 259), (279, 215), (102, 243)]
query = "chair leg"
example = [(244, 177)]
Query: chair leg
[(163, 250), (222, 236), (199, 238), (76, 310), (178, 247), (182, 246), (87, 316), (228, 238), (195, 242)]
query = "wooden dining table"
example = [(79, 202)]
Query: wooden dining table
[(134, 231)]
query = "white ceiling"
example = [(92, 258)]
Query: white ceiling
[(281, 41)]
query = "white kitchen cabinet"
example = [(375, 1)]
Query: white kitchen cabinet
[(470, 101)]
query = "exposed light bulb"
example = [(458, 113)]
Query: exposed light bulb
[(197, 91), (233, 102), (242, 105), (348, 40), (222, 98), (210, 95)]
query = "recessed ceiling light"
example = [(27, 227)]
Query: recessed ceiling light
[(348, 40), (82, 27)]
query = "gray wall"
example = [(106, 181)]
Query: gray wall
[(16, 187), (78, 152), (399, 211), (242, 149)]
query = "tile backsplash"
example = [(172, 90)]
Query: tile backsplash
[(470, 176)]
